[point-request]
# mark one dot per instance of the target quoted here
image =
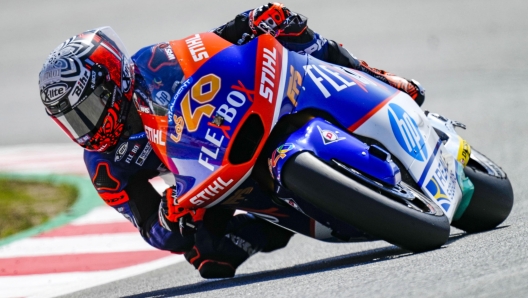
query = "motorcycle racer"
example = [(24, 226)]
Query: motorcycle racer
[(93, 90)]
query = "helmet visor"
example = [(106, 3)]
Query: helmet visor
[(86, 116), (112, 37)]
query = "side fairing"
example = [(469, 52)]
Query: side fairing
[(371, 108), (401, 126), (350, 96)]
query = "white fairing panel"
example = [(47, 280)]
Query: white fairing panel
[(402, 127)]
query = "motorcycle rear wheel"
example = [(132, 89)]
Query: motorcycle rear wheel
[(378, 214), (492, 201)]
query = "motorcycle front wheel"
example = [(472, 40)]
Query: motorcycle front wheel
[(492, 200), (416, 223)]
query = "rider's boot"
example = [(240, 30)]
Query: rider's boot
[(218, 255), (411, 87), (340, 55)]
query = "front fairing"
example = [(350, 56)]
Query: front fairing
[(224, 87)]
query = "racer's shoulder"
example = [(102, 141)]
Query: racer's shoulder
[(128, 157)]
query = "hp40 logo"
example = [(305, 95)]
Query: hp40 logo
[(407, 133)]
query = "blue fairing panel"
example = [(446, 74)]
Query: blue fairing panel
[(348, 95)]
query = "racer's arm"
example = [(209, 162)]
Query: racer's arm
[(130, 193), (297, 36)]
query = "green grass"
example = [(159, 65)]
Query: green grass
[(25, 204)]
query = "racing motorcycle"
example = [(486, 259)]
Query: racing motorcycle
[(316, 148)]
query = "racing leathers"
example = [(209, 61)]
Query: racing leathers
[(219, 241)]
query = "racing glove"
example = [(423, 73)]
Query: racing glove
[(277, 20), (175, 218)]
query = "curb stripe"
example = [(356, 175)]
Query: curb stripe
[(90, 229), (76, 263)]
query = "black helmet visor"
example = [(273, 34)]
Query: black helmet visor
[(85, 118)]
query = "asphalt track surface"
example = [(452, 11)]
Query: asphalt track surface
[(472, 57)]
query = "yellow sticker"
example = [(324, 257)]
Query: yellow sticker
[(464, 152), (294, 83)]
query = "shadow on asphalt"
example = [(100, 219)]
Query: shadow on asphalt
[(340, 262)]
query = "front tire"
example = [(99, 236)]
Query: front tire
[(493, 198), (390, 219)]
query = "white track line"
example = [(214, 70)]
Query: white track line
[(99, 215), (98, 243)]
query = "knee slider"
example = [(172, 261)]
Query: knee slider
[(215, 269)]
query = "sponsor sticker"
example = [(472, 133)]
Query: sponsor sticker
[(80, 85), (277, 154), (464, 152), (329, 136), (269, 69), (126, 77), (52, 75), (55, 92), (138, 136), (197, 48), (132, 153), (169, 53), (121, 151), (154, 135), (212, 191), (442, 185), (407, 133), (294, 82), (144, 154), (162, 98), (178, 129)]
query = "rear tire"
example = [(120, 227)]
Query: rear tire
[(493, 198), (350, 201)]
